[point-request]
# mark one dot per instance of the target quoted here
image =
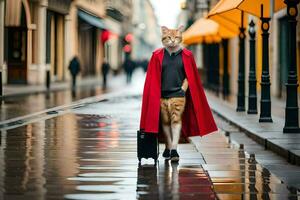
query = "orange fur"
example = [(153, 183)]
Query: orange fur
[(172, 109), (171, 38)]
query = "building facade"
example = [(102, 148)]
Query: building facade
[(119, 20), (146, 32), (42, 36), (277, 49)]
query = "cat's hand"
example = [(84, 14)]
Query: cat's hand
[(185, 85)]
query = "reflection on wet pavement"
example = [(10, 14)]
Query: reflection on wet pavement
[(91, 154), (12, 107)]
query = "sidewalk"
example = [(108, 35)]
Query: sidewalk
[(17, 90), (270, 135)]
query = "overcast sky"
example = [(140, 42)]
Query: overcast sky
[(166, 11)]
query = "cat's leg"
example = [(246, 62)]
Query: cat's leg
[(176, 130), (166, 122), (177, 108)]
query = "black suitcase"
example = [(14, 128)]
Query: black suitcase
[(147, 146)]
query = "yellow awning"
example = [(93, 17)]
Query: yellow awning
[(227, 14), (203, 30), (253, 7), (228, 8), (206, 30)]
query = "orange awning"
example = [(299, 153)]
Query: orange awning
[(230, 8), (226, 13), (253, 7), (206, 30), (203, 30)]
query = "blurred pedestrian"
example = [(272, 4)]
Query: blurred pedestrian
[(74, 68), (129, 66), (144, 64), (105, 70)]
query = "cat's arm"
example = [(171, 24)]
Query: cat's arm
[(185, 85)]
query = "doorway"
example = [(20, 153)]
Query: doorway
[(16, 52)]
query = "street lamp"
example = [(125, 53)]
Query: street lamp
[(252, 97), (291, 109), (265, 102), (241, 75), (225, 71)]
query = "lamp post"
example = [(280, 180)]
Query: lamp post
[(216, 73), (252, 97), (241, 76), (265, 102), (225, 71), (291, 109), (1, 43)]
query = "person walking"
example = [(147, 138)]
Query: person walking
[(128, 66), (105, 70), (74, 68), (173, 95)]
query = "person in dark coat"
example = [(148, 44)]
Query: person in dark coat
[(129, 66), (105, 70), (144, 65), (74, 68)]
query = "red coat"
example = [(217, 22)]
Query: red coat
[(197, 117)]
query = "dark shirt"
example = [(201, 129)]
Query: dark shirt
[(172, 75)]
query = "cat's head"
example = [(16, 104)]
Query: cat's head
[(171, 38)]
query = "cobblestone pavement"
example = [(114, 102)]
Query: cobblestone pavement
[(90, 153)]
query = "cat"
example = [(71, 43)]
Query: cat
[(171, 109)]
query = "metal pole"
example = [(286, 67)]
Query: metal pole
[(252, 97), (291, 109), (241, 76), (1, 44), (225, 71), (216, 69), (265, 102)]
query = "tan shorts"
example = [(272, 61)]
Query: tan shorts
[(171, 110)]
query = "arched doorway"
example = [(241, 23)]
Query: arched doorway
[(16, 50)]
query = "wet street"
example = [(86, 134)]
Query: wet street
[(90, 153), (17, 106)]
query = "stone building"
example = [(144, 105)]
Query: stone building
[(146, 31), (42, 36)]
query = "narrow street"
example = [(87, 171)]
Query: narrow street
[(74, 75), (90, 153), (16, 106)]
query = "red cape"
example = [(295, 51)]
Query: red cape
[(197, 117)]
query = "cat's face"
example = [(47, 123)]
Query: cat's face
[(171, 38)]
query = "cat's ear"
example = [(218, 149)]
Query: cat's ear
[(180, 28), (164, 29)]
